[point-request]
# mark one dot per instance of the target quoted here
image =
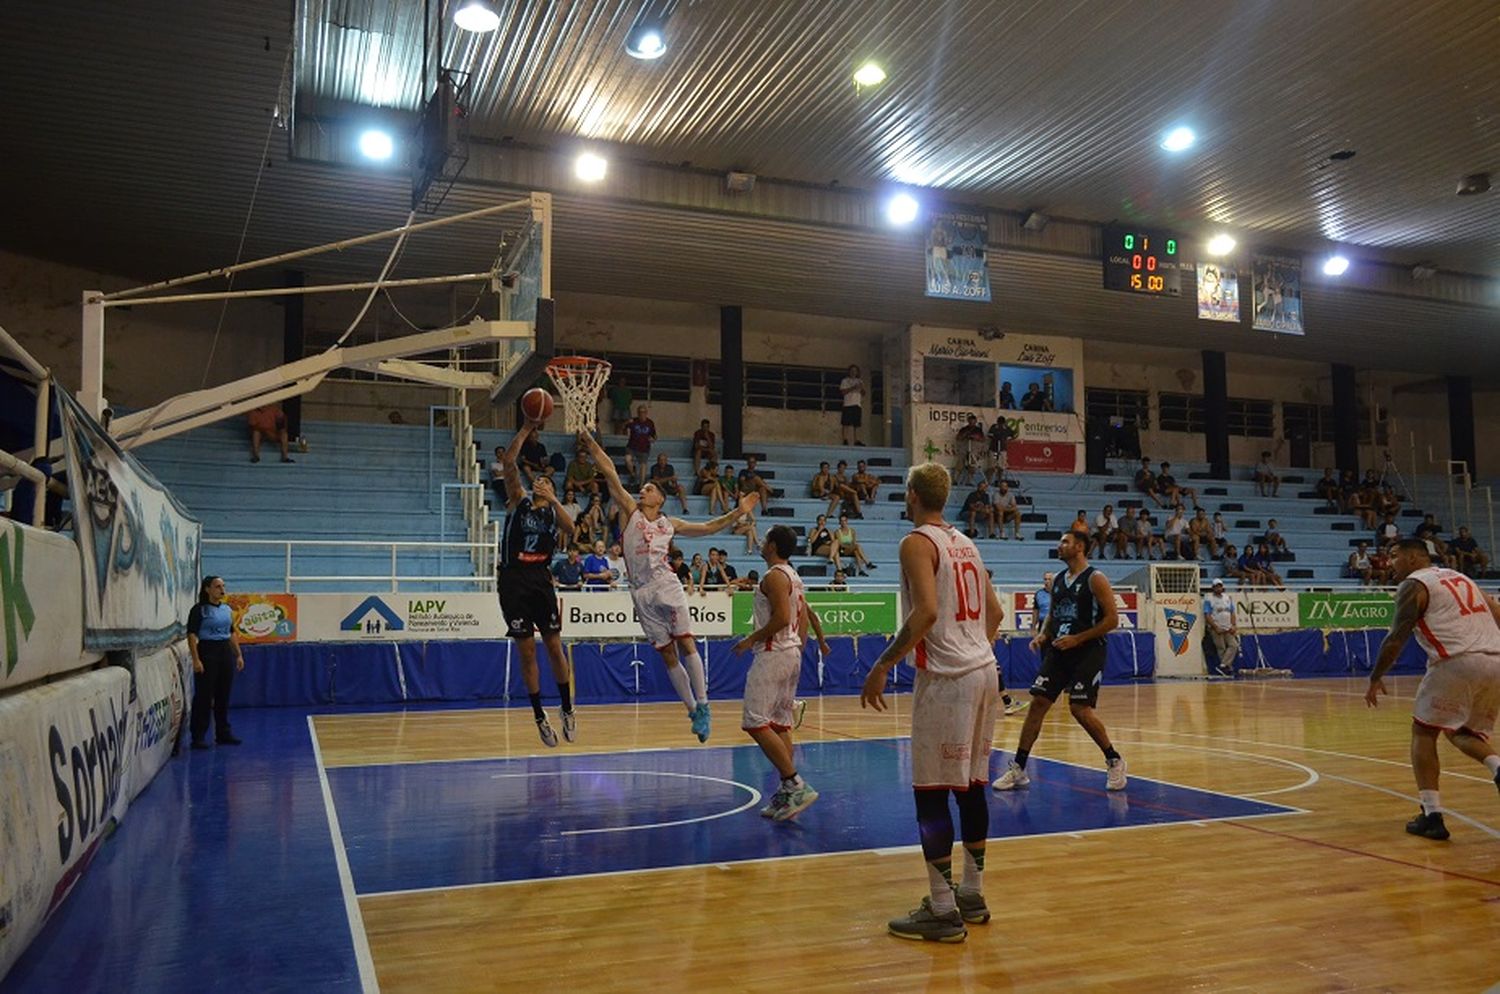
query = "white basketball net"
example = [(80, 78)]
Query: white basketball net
[(579, 379)]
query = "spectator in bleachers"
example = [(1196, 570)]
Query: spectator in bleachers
[(1389, 533), (1348, 487), (1201, 535), (1229, 564), (664, 475), (751, 481), (726, 568), (1147, 535), (1250, 572), (707, 485), (567, 574), (1218, 614), (844, 486), (1274, 538), (979, 510), (1328, 488), (999, 435), (1467, 554), (1080, 523), (268, 421), (1428, 529), (1034, 400), (705, 445), (1041, 602), (1265, 477), (590, 525), (1167, 485), (821, 486), (1007, 510), (640, 433), (618, 565), (621, 397), (582, 475), (1360, 503), (1218, 529), (1106, 530), (852, 415), (534, 459), (729, 486), (846, 543), (1267, 567), (1382, 567), (1388, 502), (865, 482), (749, 581), (1008, 398), (1145, 482), (745, 526), (698, 566), (679, 567), (840, 581), (820, 539), (497, 475), (1360, 567), (1128, 535), (1178, 540), (970, 442), (570, 504), (597, 572)]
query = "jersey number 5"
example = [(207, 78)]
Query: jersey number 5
[(1465, 595), (966, 584)]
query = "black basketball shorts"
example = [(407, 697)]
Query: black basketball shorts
[(1078, 671), (529, 601)]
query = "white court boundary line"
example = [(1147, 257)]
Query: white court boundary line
[(755, 795), (1311, 774), (367, 980)]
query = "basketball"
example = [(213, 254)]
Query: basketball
[(536, 404)]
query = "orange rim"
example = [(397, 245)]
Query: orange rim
[(576, 362)]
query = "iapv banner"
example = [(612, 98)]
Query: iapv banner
[(139, 546), (610, 614), (956, 266), (1277, 289), (398, 617), (1218, 292)]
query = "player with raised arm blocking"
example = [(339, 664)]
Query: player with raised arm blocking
[(533, 524), (1459, 627), (781, 619), (1083, 611), (660, 603), (952, 617)]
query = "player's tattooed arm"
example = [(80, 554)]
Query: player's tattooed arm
[(1411, 602)]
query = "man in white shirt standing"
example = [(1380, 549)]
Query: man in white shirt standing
[(1218, 611), (853, 390)]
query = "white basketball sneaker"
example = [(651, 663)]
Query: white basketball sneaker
[(1014, 779), (1114, 778)]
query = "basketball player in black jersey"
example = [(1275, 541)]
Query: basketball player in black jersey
[(1072, 642), (533, 523)]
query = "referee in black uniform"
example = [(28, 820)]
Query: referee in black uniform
[(527, 597), (1072, 642)]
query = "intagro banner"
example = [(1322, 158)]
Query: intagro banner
[(841, 612), (610, 614), (1265, 611), (139, 546), (397, 617), (1352, 610), (41, 605), (1022, 609), (259, 618)]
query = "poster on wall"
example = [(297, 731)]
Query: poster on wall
[(1277, 288), (1218, 292), (261, 618), (956, 267)]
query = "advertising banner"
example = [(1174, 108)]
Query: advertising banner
[(139, 547), (1042, 457), (1366, 609), (163, 684), (610, 614), (264, 617), (956, 267), (1265, 611), (1021, 605), (845, 612), (1277, 289), (41, 605), (1178, 622), (1014, 348), (398, 617), (1218, 292)]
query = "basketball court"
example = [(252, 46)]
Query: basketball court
[(1259, 846)]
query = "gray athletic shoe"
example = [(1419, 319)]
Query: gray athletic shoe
[(544, 729), (570, 725), (778, 801), (1014, 779), (923, 924), (798, 799), (799, 708), (971, 906)]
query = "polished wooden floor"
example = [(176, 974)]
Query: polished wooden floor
[(1337, 899)]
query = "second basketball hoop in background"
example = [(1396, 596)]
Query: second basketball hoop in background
[(536, 404), (579, 379)]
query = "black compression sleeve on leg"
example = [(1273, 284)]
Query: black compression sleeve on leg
[(934, 823), (973, 813)]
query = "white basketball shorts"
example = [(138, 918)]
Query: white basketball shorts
[(770, 687), (662, 609), (1461, 692), (953, 728)]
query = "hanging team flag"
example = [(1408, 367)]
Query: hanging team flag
[(956, 266), (1218, 292), (1277, 289)]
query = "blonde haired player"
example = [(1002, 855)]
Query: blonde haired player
[(952, 616), (781, 617), (660, 603), (1459, 626)]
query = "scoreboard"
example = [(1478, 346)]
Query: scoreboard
[(1139, 260)]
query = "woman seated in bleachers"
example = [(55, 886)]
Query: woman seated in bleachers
[(707, 485), (590, 525), (1361, 504), (1266, 567), (746, 526), (1229, 564), (820, 540), (1359, 567), (1250, 573), (844, 486), (847, 543)]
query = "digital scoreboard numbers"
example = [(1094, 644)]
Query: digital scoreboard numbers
[(1137, 260)]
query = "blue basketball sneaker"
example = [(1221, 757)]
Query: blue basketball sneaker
[(701, 721)]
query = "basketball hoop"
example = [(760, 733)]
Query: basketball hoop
[(578, 380)]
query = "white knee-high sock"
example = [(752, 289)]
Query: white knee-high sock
[(679, 679), (693, 663)]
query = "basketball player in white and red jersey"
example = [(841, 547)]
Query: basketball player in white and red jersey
[(1460, 693), (780, 619), (952, 616), (660, 603)]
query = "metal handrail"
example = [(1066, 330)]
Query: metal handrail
[(395, 578), (43, 378)]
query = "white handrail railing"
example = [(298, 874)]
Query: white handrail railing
[(394, 577), (42, 376)]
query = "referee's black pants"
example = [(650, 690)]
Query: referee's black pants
[(211, 688)]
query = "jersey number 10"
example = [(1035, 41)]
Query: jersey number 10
[(966, 584)]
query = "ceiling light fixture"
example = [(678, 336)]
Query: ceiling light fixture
[(647, 37), (1337, 265), (1220, 244), (1179, 139), (902, 209), (478, 16), (869, 74), (377, 145), (590, 167)]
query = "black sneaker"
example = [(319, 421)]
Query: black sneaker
[(1428, 826), (226, 740)]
